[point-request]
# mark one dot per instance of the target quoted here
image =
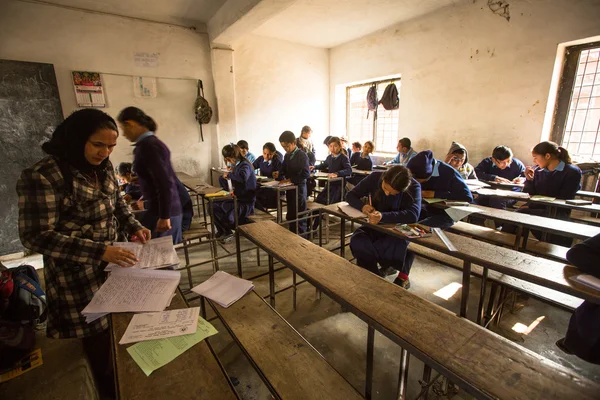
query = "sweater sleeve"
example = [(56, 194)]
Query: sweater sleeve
[(572, 184), (483, 168), (161, 178), (363, 189), (346, 167), (458, 190), (586, 256), (410, 207)]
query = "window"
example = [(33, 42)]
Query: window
[(361, 124), (577, 117)]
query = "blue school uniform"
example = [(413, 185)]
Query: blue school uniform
[(488, 171), (339, 165), (403, 159), (371, 247), (244, 188), (267, 198), (187, 207), (251, 157), (133, 190), (361, 163), (295, 167), (447, 184)]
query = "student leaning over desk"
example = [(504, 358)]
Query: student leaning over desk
[(71, 210)]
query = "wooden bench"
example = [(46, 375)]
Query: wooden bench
[(479, 361), (586, 219), (289, 366), (545, 249), (196, 374), (260, 215)]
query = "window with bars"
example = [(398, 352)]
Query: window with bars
[(577, 117), (361, 124)]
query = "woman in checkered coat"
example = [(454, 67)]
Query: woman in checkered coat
[(71, 210)]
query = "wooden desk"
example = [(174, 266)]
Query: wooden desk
[(501, 193), (196, 374), (360, 172), (505, 185), (592, 208), (479, 361), (593, 195)]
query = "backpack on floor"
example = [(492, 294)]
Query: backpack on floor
[(390, 100), (372, 101), (22, 299)]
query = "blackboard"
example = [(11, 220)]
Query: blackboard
[(29, 111)]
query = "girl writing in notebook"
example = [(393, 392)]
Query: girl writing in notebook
[(386, 197), (243, 182)]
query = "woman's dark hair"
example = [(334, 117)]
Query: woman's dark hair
[(326, 141), (233, 151), (69, 138), (502, 153), (553, 149), (124, 168), (398, 177), (137, 115), (243, 144), (357, 145), (271, 147)]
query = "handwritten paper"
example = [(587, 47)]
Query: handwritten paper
[(459, 212), (502, 193), (153, 354), (351, 211), (156, 253), (160, 325), (223, 288)]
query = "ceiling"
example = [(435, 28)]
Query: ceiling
[(328, 23), (179, 12)]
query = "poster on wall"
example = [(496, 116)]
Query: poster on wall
[(144, 86), (88, 89)]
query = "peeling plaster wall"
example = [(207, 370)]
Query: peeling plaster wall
[(468, 73)]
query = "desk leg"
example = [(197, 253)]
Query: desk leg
[(426, 379), (482, 296), (319, 214), (403, 375), (491, 303), (370, 350), (204, 211), (279, 207), (239, 253), (466, 281), (271, 281), (525, 238), (202, 307), (298, 216), (518, 236), (343, 238), (214, 245)]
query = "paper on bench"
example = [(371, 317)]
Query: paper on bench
[(459, 212), (351, 211), (321, 174), (542, 198), (160, 325), (587, 280), (223, 289), (502, 193), (134, 290), (153, 354), (433, 200), (156, 253)]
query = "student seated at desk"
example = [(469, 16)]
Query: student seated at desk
[(405, 152), (336, 165), (243, 180), (132, 190), (356, 148), (438, 180), (242, 144), (267, 164), (362, 160), (458, 158), (395, 198), (553, 176), (501, 167), (295, 169), (311, 155), (344, 144), (583, 334), (307, 144)]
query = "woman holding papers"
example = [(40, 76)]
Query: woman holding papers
[(70, 210), (394, 197), (243, 180)]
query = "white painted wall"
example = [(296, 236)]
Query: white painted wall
[(280, 86), (74, 40), (468, 74)]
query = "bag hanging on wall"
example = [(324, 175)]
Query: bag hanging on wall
[(372, 101), (390, 100), (202, 109)]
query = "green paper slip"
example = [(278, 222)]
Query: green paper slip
[(153, 354), (434, 200)]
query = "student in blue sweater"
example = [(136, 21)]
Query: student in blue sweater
[(438, 180), (501, 167), (553, 176), (132, 190), (242, 144), (156, 177), (267, 164), (295, 169), (243, 181), (395, 197), (405, 152), (336, 165), (362, 160)]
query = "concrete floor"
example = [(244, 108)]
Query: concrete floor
[(341, 337)]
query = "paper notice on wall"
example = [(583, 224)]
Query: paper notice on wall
[(144, 86), (146, 60), (88, 89)]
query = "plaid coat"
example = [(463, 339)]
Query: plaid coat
[(72, 230)]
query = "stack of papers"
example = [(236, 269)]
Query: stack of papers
[(156, 253), (133, 290), (351, 211), (224, 289), (587, 280), (321, 174), (160, 325), (502, 193)]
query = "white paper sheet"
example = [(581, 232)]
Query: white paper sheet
[(156, 253), (476, 183), (321, 174), (351, 211), (160, 325), (134, 290), (276, 184), (502, 193), (223, 288), (459, 212), (588, 280)]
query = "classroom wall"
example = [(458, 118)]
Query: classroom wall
[(468, 74), (75, 40), (280, 86)]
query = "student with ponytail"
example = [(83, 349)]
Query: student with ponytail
[(393, 197), (156, 177), (243, 182)]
